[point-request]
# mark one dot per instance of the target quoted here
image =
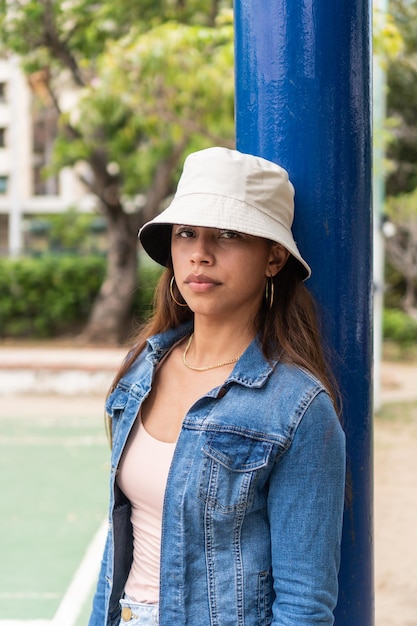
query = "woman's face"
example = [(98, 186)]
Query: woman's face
[(222, 273)]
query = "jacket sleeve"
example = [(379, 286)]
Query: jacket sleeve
[(305, 508), (98, 614)]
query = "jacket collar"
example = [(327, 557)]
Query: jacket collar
[(252, 369)]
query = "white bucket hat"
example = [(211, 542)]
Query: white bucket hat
[(227, 189)]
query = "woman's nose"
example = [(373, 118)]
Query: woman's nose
[(202, 251)]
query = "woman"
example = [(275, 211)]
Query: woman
[(228, 459)]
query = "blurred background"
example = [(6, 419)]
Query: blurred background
[(99, 104)]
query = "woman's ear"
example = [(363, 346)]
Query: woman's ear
[(277, 259)]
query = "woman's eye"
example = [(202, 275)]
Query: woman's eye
[(229, 234), (184, 232)]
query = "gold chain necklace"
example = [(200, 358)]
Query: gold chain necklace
[(208, 367)]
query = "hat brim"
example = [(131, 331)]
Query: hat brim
[(212, 211)]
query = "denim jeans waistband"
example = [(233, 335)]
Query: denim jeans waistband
[(138, 613)]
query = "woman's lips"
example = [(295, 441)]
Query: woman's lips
[(200, 282)]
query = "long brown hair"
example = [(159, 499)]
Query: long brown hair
[(288, 330)]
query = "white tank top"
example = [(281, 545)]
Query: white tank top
[(142, 477)]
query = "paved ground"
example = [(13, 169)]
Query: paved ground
[(57, 370), (395, 510), (398, 382)]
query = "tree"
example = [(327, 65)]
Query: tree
[(402, 101), (401, 180), (153, 80), (401, 248)]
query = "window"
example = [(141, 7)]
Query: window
[(4, 181), (2, 92), (2, 137)]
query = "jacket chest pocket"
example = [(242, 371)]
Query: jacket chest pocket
[(231, 464)]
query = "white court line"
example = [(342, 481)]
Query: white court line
[(79, 589)]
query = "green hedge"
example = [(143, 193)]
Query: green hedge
[(52, 295), (399, 327)]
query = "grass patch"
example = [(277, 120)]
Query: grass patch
[(398, 412)]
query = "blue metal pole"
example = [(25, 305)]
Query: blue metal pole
[(303, 100)]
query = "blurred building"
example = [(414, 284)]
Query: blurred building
[(28, 122)]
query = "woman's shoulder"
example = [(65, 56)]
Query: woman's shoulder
[(296, 380), (301, 389)]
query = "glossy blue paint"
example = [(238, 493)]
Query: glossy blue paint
[(303, 100)]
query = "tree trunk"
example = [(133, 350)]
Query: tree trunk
[(409, 302), (108, 322)]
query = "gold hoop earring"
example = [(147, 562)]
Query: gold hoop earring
[(269, 292), (171, 284)]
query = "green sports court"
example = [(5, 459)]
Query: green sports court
[(54, 476)]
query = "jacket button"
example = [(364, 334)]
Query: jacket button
[(127, 614)]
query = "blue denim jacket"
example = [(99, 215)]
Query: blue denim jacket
[(253, 506)]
